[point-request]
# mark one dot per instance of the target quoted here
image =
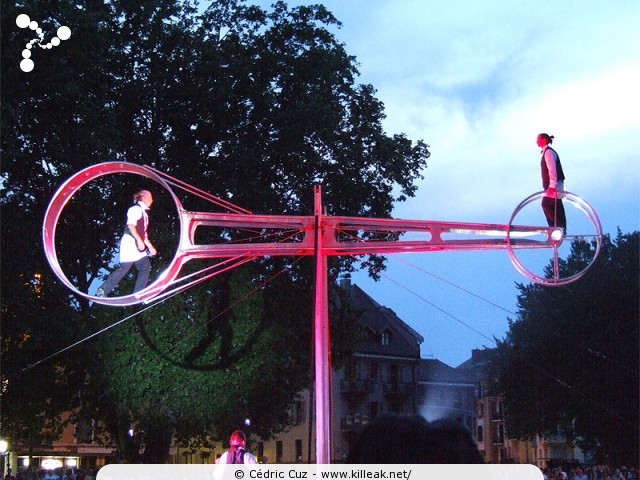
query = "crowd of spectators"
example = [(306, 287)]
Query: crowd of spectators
[(36, 473), (598, 472)]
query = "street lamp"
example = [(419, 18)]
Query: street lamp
[(4, 446)]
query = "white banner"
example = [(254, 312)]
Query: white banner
[(318, 472)]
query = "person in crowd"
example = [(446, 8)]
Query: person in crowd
[(135, 246), (580, 475), (561, 474), (552, 183), (617, 475), (394, 439), (237, 452)]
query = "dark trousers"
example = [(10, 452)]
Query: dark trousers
[(143, 266), (554, 212)]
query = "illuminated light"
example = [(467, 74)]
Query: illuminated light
[(25, 462), (71, 462), (557, 235), (4, 445), (51, 464), (496, 233), (131, 432), (247, 422)]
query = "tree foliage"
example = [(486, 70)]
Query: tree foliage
[(251, 105), (570, 359)]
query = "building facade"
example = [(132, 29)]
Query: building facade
[(380, 377), (492, 433), (447, 393), (385, 374)]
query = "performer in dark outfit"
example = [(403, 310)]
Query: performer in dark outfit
[(552, 182)]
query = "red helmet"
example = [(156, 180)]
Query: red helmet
[(238, 439)]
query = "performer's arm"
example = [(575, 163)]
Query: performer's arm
[(152, 249), (140, 242), (550, 159)]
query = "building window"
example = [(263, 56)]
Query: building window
[(373, 371), (298, 413), (354, 371), (279, 451), (374, 408), (480, 433), (84, 430), (385, 338), (395, 374), (260, 447), (298, 450), (368, 335)]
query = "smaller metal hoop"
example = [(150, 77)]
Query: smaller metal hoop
[(556, 279)]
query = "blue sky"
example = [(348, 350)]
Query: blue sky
[(478, 80)]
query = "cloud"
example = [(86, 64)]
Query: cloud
[(478, 81)]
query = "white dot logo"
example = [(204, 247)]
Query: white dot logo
[(23, 21)]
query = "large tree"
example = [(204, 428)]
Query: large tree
[(251, 105), (570, 359), (54, 119)]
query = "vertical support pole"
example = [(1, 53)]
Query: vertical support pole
[(321, 342)]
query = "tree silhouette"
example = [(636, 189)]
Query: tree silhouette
[(251, 105), (570, 359)]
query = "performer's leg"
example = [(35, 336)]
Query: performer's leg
[(561, 216), (113, 280), (554, 212), (548, 209), (144, 269)]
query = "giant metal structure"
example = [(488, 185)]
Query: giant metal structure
[(317, 235)]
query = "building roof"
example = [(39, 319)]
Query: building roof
[(435, 371), (478, 359), (377, 320)]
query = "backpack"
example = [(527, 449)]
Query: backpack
[(235, 455)]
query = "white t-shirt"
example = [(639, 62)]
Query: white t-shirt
[(128, 249)]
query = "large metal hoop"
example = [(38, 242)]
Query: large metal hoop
[(556, 238), (64, 194)]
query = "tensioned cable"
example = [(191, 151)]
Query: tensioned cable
[(435, 306), (531, 364), (165, 296), (228, 308), (469, 292), (89, 337), (244, 258), (583, 346), (198, 192), (258, 287)]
